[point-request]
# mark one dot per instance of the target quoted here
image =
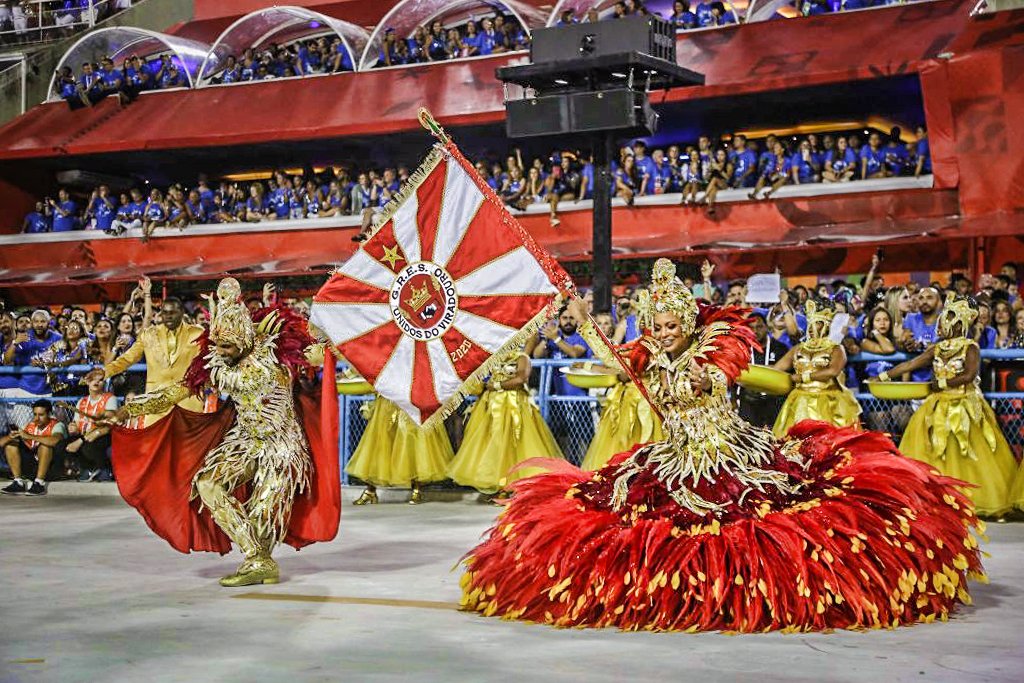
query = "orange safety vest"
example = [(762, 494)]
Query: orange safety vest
[(89, 409), (35, 430)]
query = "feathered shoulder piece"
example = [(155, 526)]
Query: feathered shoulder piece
[(278, 324), (724, 338), (290, 333)]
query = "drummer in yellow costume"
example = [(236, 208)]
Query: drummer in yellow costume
[(818, 365), (396, 452), (504, 429), (955, 430)]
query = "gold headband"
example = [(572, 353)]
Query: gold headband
[(667, 294)]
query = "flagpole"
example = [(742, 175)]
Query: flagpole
[(428, 122)]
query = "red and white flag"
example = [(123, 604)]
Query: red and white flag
[(448, 279)]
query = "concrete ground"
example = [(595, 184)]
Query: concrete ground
[(91, 595)]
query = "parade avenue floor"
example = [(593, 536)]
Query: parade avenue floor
[(92, 595)]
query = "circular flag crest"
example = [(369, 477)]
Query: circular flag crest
[(423, 300)]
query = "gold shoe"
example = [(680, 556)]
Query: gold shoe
[(252, 572), (369, 497), (416, 498)]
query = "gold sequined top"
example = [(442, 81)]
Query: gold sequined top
[(704, 435), (950, 360), (811, 356)]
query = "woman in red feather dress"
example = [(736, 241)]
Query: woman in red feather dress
[(722, 526)]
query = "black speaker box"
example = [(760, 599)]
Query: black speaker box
[(650, 35), (622, 110)]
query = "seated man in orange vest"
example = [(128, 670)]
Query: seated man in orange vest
[(89, 439), (34, 448)]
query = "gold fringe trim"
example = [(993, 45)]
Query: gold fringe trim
[(488, 366), (430, 162)]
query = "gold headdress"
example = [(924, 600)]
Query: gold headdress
[(667, 294), (958, 309), (818, 312), (229, 318)]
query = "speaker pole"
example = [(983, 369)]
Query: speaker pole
[(602, 234)]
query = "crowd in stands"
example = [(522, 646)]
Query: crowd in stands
[(871, 317), (27, 21), (695, 173)]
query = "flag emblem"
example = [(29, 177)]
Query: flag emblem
[(447, 280)]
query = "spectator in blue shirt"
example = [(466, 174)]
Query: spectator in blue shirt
[(129, 214), (872, 158), (920, 328), (924, 154), (110, 76), (776, 172), (172, 78), (645, 168), (744, 163), (154, 215), (566, 18), (36, 220), (437, 46), (195, 209), (490, 40), (895, 154), (102, 208), (472, 41), (663, 178), (571, 422), (65, 212), (90, 85), (840, 163), (682, 17), (804, 167), (231, 72), (26, 349), (136, 77)]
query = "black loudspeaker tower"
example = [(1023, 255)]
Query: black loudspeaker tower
[(594, 78)]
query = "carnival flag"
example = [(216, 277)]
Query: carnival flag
[(448, 281)]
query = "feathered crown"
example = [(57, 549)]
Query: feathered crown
[(667, 294), (229, 318), (819, 312), (958, 309)]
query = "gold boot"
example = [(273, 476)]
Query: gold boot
[(369, 497), (416, 498), (251, 572)]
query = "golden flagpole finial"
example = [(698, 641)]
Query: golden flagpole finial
[(428, 122)]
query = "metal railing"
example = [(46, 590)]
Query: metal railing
[(573, 419), (40, 21)]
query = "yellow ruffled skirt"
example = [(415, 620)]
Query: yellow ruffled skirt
[(837, 406), (627, 419), (957, 433), (504, 429), (395, 451), (1017, 490)]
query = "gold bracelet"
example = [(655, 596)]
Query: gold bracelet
[(943, 385), (883, 376), (805, 376)]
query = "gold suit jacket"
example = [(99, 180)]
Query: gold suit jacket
[(168, 355)]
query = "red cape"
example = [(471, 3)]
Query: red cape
[(154, 469)]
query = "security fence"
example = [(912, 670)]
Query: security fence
[(573, 419)]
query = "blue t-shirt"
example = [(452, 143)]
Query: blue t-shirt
[(646, 167), (198, 210), (742, 163), (925, 334), (111, 79), (632, 329), (804, 170), (685, 20), (704, 16), (37, 222), (924, 152), (230, 75), (841, 163), (136, 209), (664, 178), (469, 42), (134, 76), (23, 355), (875, 159), (280, 199), (104, 213), (65, 223), (562, 386), (895, 158), (488, 41), (777, 166), (988, 338), (154, 211)]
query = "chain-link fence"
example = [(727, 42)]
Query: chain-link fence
[(572, 419)]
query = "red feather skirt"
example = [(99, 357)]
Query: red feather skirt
[(873, 539)]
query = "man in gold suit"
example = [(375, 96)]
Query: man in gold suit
[(168, 348)]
